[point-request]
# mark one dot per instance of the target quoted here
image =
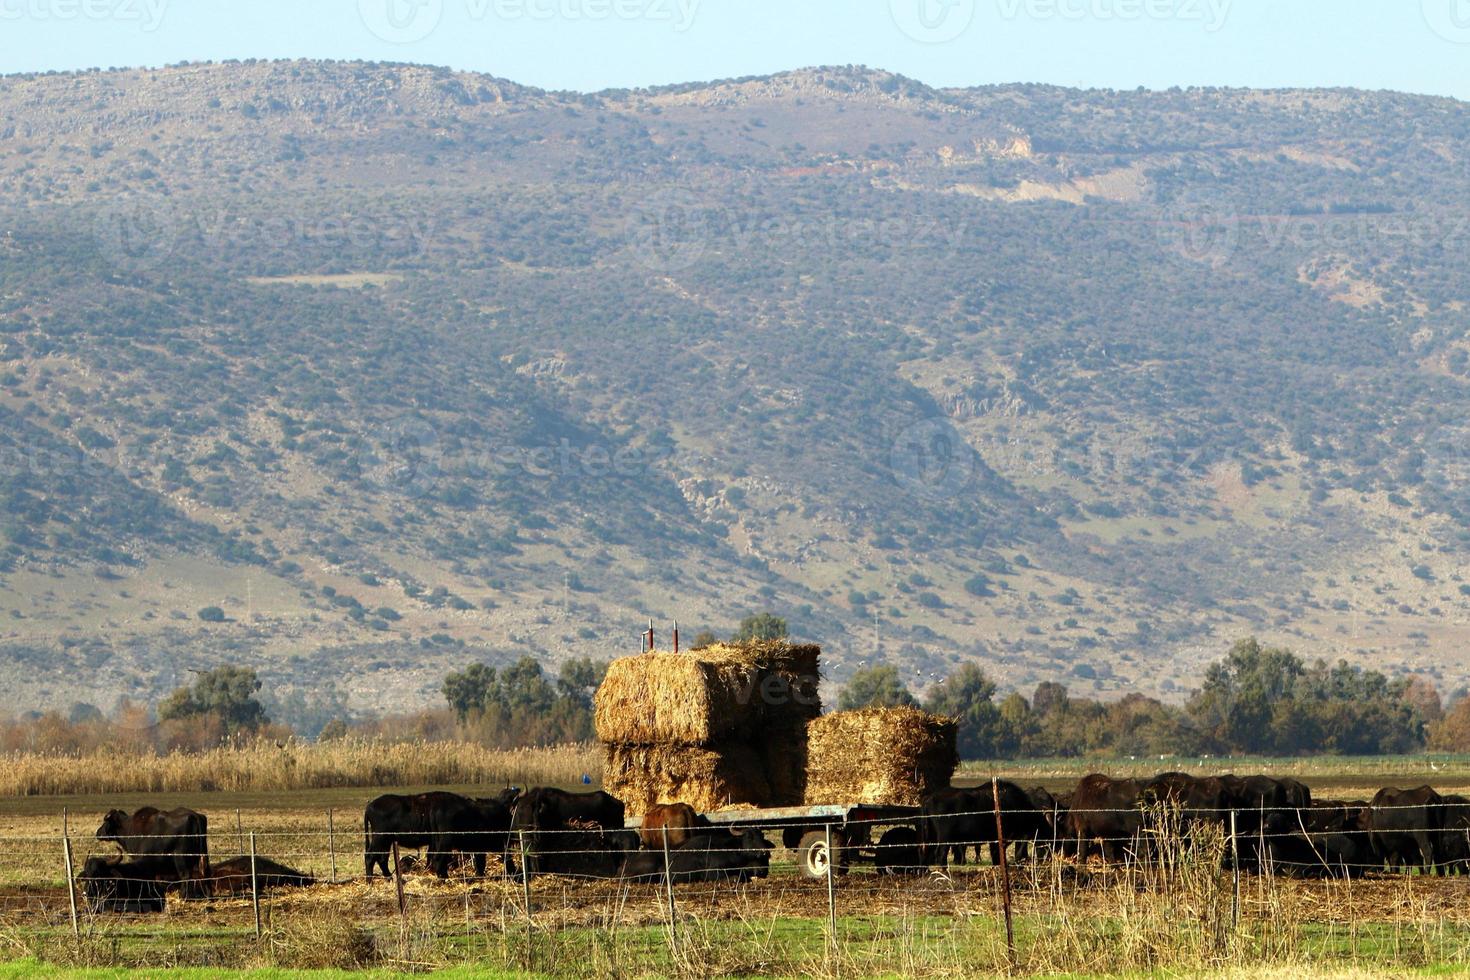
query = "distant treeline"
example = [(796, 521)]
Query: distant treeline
[(1256, 701)]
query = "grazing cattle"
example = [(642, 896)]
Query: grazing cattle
[(1200, 799), (706, 856), (545, 808), (899, 852), (180, 837), (445, 823), (232, 877), (1266, 809), (1404, 825), (1327, 842), (679, 819), (953, 820), (1051, 810), (1454, 846), (1104, 816), (112, 885)]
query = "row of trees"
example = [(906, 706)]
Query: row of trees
[(1257, 701)]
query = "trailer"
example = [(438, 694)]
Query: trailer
[(813, 833)]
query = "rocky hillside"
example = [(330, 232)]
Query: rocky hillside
[(401, 368)]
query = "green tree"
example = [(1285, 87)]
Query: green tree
[(470, 690), (875, 687), (212, 614), (227, 693), (968, 696), (579, 679), (761, 626)]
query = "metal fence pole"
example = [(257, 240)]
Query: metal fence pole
[(254, 885), (331, 845), (1235, 865), (669, 890), (71, 884), (526, 893), (831, 891), (239, 832), (1005, 872)]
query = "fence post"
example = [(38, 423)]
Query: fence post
[(831, 892), (331, 845), (239, 832), (71, 884), (398, 887), (669, 890), (254, 884), (1005, 872), (526, 894), (1235, 864)]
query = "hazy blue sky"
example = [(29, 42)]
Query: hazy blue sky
[(1411, 45)]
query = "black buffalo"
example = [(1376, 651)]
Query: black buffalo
[(1404, 826), (1104, 816), (232, 877), (112, 885), (578, 853), (445, 823), (708, 855), (178, 838), (546, 808), (953, 820)]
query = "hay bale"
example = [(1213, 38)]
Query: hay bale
[(718, 694), (705, 778), (783, 753), (879, 755)]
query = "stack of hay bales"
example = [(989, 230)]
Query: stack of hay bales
[(717, 727), (879, 755)]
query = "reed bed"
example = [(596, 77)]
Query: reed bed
[(266, 765)]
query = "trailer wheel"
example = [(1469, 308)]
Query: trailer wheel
[(812, 857)]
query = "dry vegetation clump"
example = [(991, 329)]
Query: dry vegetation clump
[(879, 755), (264, 765)]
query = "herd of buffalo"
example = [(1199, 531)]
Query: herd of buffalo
[(1271, 824)]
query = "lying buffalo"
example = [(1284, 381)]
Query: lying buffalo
[(445, 823), (232, 877), (114, 885), (177, 837), (713, 855)]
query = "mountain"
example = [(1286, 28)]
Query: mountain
[(402, 368)]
